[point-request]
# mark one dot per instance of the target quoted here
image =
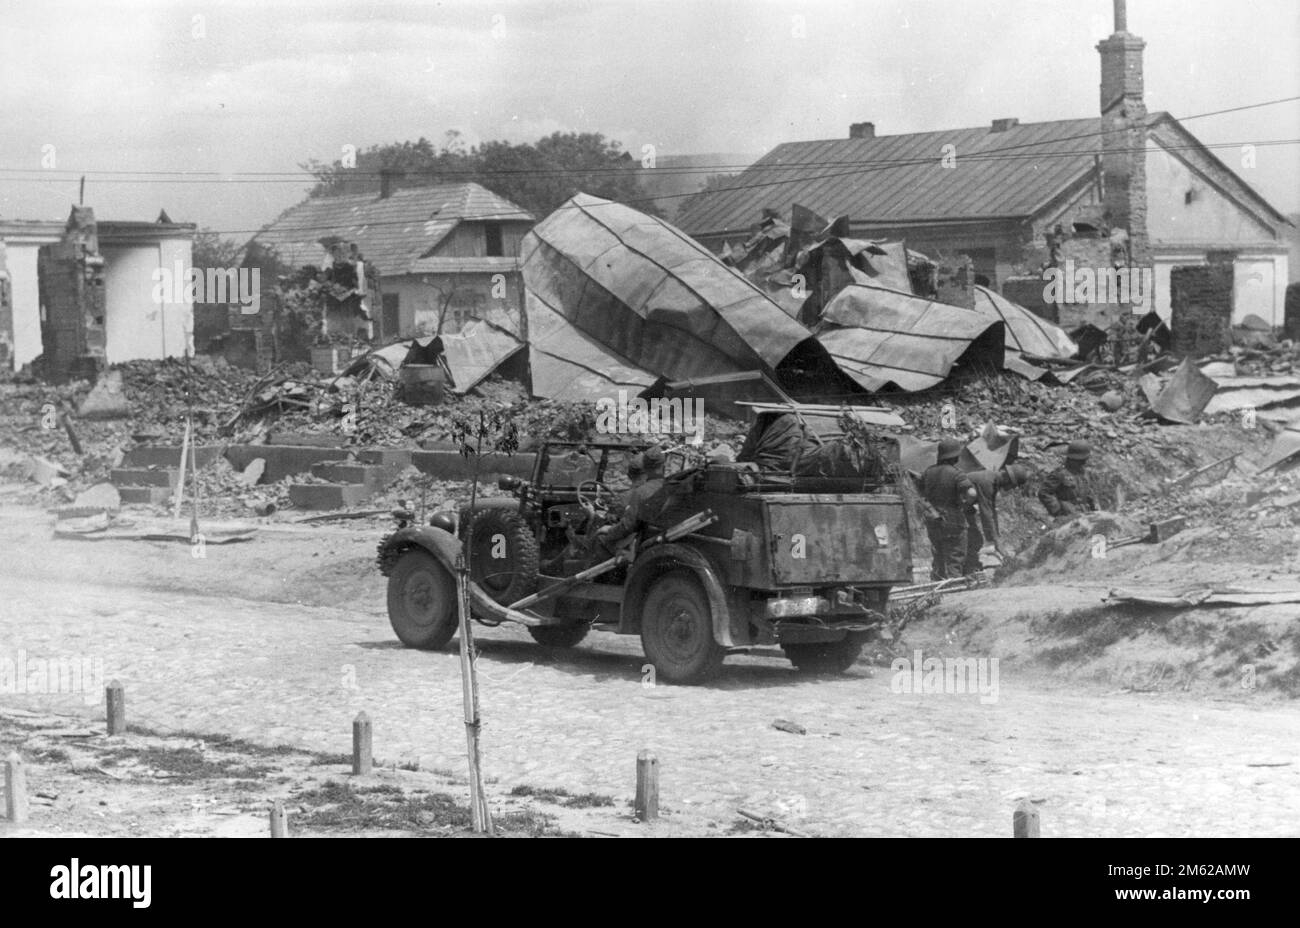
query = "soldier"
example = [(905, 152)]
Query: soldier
[(644, 502), (1067, 491), (987, 484), (947, 493)]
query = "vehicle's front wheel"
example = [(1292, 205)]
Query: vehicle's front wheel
[(824, 656), (422, 600), (677, 629)]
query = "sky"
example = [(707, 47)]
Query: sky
[(220, 90)]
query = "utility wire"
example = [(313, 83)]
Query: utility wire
[(861, 169), (294, 176)]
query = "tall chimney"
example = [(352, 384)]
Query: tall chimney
[(862, 130), (1123, 142)]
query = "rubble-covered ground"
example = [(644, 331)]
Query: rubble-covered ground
[(1137, 461)]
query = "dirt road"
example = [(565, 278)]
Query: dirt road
[(195, 652)]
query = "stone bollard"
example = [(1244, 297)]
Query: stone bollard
[(1024, 823), (15, 789), (279, 820), (646, 805), (362, 759), (115, 703)]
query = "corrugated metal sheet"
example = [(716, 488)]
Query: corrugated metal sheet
[(654, 296), (476, 352), (899, 178), (391, 232), (884, 338), (1026, 333), (568, 364)]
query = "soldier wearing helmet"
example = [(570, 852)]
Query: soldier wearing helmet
[(982, 528), (1067, 491), (946, 494), (644, 502)]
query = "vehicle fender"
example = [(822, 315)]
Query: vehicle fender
[(666, 557), (441, 544), (495, 502), (445, 547)]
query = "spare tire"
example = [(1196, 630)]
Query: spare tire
[(503, 555)]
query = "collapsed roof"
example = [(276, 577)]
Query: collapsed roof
[(662, 302), (886, 339)]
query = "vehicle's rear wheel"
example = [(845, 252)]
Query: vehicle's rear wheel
[(559, 636), (503, 555), (824, 656), (677, 629), (422, 600)]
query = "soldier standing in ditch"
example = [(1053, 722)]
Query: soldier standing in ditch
[(982, 527), (946, 494), (1068, 490)]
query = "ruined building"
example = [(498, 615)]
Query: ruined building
[(1124, 188)]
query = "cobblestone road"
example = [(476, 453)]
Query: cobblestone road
[(873, 762)]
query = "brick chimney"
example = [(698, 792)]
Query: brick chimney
[(388, 178), (862, 130), (1123, 143)]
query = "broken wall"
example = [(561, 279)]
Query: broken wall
[(71, 275), (1201, 300), (1029, 293)]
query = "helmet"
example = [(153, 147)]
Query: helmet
[(1079, 450), (949, 449), (653, 458), (1017, 474)]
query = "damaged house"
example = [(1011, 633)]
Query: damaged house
[(1125, 188), (84, 293), (444, 254)]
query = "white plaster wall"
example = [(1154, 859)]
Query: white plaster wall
[(1210, 218), (137, 326), (22, 261)]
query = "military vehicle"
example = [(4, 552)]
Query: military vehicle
[(738, 558)]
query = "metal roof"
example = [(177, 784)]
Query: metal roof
[(652, 295), (392, 232), (568, 364), (901, 178), (1026, 333), (885, 338)]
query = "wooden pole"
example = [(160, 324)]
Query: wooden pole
[(194, 488), (480, 814), (362, 758), (279, 820), (115, 704), (180, 476), (646, 805), (1024, 823), (15, 789)]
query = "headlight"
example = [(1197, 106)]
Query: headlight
[(804, 605)]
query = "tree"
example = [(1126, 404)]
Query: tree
[(211, 250), (538, 177)]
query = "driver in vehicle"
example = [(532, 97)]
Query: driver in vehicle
[(644, 502)]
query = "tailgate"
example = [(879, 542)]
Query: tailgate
[(849, 539)]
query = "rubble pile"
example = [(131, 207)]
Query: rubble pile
[(161, 393), (1262, 362)]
